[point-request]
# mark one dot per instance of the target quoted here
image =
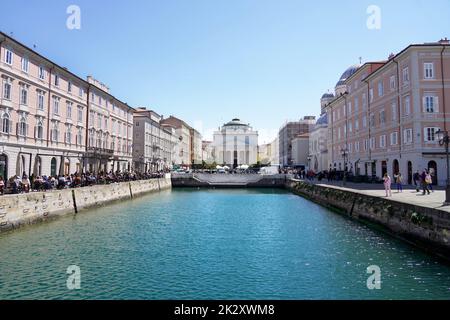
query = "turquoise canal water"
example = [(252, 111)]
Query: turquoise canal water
[(214, 244)]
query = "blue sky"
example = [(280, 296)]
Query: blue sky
[(207, 61)]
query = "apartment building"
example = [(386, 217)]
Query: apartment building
[(54, 122), (387, 116), (153, 142)]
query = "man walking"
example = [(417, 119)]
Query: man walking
[(423, 179), (416, 179)]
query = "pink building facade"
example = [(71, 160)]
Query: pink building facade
[(44, 117), (385, 115)]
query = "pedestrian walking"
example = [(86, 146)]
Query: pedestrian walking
[(387, 185), (423, 180), (416, 179), (429, 181), (399, 180)]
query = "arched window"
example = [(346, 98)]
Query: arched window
[(22, 126), (40, 130), (3, 166), (55, 133), (6, 123), (80, 137), (53, 167)]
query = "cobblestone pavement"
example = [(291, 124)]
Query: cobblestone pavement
[(409, 194)]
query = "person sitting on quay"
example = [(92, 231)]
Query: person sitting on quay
[(2, 186), (26, 185)]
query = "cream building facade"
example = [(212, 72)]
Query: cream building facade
[(235, 144)]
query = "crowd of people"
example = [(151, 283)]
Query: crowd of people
[(23, 184)]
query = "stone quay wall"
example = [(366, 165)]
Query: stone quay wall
[(29, 208), (427, 228)]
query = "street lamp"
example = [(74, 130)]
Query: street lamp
[(444, 140), (344, 153)]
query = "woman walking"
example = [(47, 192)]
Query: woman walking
[(387, 185), (398, 180)]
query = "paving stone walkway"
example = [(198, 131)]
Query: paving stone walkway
[(409, 194)]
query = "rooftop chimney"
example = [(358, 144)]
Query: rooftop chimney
[(391, 56)]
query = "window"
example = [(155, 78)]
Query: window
[(69, 110), (371, 94), (350, 127), (407, 106), (39, 130), (25, 64), (392, 83), (106, 123), (6, 124), (356, 124), (349, 108), (372, 143), (24, 95), (80, 114), (394, 138), (428, 70), (80, 91), (22, 127), (9, 56), (339, 133), (383, 141), (405, 74), (382, 117), (394, 111), (407, 136), (372, 120), (56, 83), (56, 105), (79, 137), (99, 100), (364, 101), (54, 135), (356, 105), (69, 86), (68, 136), (364, 121), (7, 89), (430, 134), (430, 104), (366, 144), (380, 88), (40, 100), (41, 73), (357, 146), (99, 121)]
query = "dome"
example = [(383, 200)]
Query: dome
[(235, 122), (347, 74), (323, 119), (327, 96)]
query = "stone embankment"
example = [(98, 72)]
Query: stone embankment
[(428, 228), (230, 180), (28, 208)]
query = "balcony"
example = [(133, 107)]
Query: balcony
[(100, 151)]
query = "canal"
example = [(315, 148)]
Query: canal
[(214, 244)]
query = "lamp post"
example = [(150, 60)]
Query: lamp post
[(344, 154), (444, 140)]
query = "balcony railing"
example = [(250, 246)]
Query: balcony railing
[(101, 151)]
